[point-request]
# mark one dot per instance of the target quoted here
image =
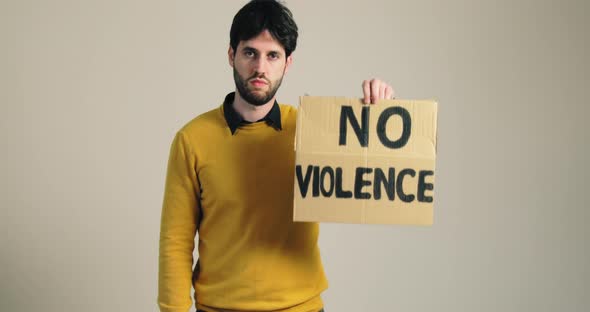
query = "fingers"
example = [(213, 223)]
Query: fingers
[(366, 91), (375, 90), (389, 93), (375, 85)]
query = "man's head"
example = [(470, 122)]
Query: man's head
[(262, 37)]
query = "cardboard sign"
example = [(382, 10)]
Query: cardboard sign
[(358, 163)]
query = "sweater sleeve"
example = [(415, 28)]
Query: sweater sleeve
[(180, 217)]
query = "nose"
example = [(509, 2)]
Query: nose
[(260, 65)]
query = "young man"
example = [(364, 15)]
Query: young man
[(230, 177)]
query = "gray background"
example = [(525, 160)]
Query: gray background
[(92, 93)]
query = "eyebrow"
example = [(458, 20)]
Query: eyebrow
[(249, 48)]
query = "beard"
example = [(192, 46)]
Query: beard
[(249, 95)]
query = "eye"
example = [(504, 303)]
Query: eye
[(273, 56), (249, 53)]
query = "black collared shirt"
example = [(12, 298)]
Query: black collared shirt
[(234, 120)]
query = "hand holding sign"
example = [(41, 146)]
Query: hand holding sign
[(376, 89)]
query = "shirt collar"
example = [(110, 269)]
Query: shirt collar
[(234, 120)]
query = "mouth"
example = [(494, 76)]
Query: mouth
[(257, 82)]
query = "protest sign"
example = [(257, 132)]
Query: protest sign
[(358, 163)]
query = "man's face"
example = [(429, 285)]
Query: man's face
[(259, 65)]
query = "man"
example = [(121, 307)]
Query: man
[(230, 177)]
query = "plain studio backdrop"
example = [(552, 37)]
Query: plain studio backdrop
[(92, 93)]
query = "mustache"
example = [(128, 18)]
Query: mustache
[(259, 76)]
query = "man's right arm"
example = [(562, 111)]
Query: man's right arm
[(180, 217)]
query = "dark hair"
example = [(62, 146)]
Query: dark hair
[(260, 15)]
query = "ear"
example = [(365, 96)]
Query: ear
[(230, 56), (288, 63)]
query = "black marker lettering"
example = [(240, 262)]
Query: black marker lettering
[(423, 186), (359, 183), (388, 183), (339, 192), (303, 182), (400, 185), (315, 187), (407, 126), (330, 172), (362, 132)]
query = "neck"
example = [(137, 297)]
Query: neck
[(251, 112)]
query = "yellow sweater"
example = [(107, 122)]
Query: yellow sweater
[(237, 190)]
